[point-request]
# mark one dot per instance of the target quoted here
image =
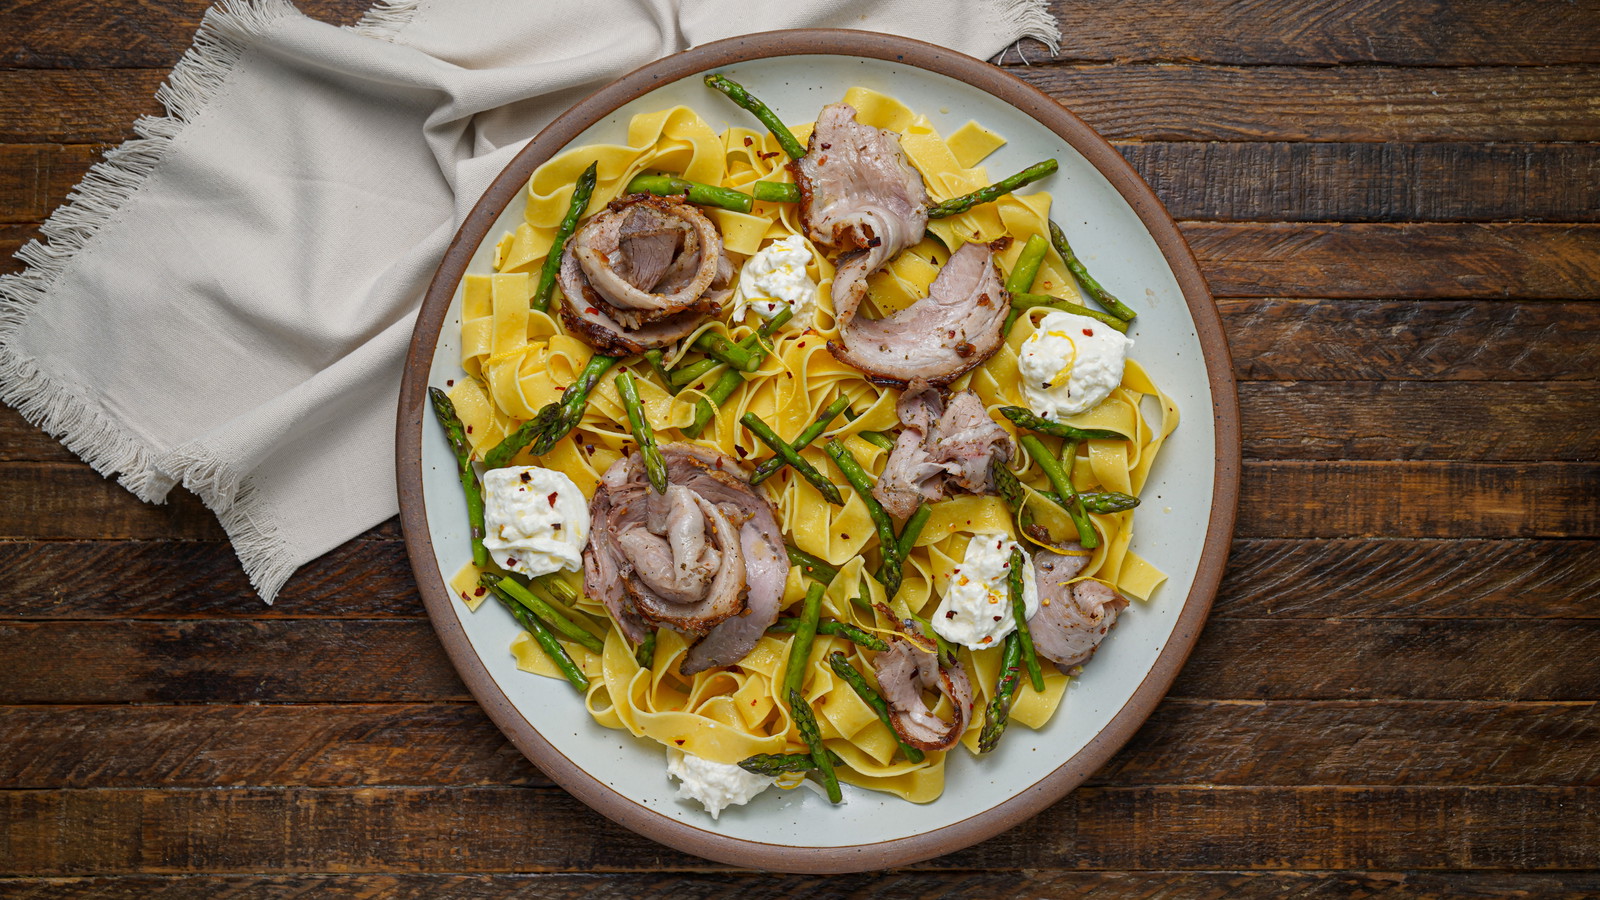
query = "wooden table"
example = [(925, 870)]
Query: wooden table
[(1397, 203)]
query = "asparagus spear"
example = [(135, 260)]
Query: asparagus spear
[(730, 380), (1019, 611), (645, 653), (771, 466), (1061, 480), (806, 721), (959, 205), (654, 466), (511, 444), (736, 92), (842, 668), (457, 435), (1021, 303), (569, 224), (889, 574), (574, 400), (791, 456), (720, 348), (1005, 692), (878, 439), (714, 195), (1024, 418), (775, 764), (657, 361), (913, 528), (1023, 274), (851, 633), (805, 632), (546, 613), (1100, 501), (1076, 267), (811, 566), (685, 374), (547, 641)]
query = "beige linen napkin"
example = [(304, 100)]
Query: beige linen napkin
[(226, 300)]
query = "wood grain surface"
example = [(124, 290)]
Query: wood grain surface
[(1397, 204)]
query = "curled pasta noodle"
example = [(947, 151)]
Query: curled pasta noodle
[(517, 359)]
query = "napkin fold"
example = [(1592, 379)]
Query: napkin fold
[(226, 300)]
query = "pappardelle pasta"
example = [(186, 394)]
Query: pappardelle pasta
[(907, 458)]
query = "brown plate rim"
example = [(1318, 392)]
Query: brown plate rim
[(982, 825)]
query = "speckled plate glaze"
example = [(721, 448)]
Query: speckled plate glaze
[(1184, 524)]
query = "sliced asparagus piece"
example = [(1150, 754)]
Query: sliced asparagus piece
[(1075, 266), (569, 224), (770, 467), (456, 434), (655, 468), (776, 444), (858, 682), (736, 92), (958, 205)]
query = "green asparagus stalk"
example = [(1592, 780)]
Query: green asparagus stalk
[(771, 466), (502, 453), (912, 529), (1021, 303), (890, 573), (730, 379), (806, 721), (1062, 482), (1099, 501), (842, 668), (658, 365), (959, 205), (878, 439), (569, 224), (1023, 273), (1005, 692), (714, 195), (685, 374), (805, 633), (1075, 266), (548, 614), (645, 653), (775, 764), (776, 444), (947, 651), (547, 642), (736, 92), (574, 400), (1007, 485), (654, 466), (1024, 418), (456, 434), (775, 191), (1019, 611), (789, 624), (720, 348), (812, 567)]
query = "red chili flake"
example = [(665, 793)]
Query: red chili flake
[(986, 640), (511, 562), (469, 429), (527, 477), (1087, 332), (825, 145), (997, 618), (843, 536), (678, 741), (465, 597), (589, 310), (767, 155), (552, 497), (801, 344), (748, 141), (950, 615), (480, 591), (450, 383), (556, 527)]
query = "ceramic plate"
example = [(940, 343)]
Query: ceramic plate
[(1184, 524)]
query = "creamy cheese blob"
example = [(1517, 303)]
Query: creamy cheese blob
[(1070, 364), (975, 610), (716, 785), (776, 277), (536, 521)]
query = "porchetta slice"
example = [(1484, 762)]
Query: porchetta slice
[(1073, 618), (643, 273), (705, 559), (938, 338), (941, 448), (908, 668)]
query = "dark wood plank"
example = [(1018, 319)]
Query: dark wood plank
[(1233, 743), (1431, 579), (137, 33), (1387, 182), (307, 661), (1420, 420), (320, 661), (1419, 499), (1148, 103), (1316, 32), (1393, 659), (1348, 103), (369, 578), (1420, 261), (1027, 884), (1223, 181), (500, 829), (56, 500), (1406, 340)]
